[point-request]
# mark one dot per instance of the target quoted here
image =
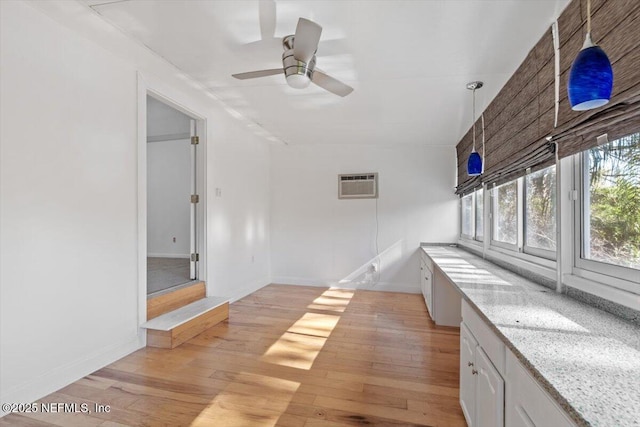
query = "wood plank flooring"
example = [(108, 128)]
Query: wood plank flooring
[(288, 356)]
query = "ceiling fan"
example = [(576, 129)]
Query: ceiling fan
[(299, 61)]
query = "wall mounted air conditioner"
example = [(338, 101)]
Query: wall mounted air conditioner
[(358, 186)]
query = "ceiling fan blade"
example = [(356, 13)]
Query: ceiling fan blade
[(306, 39), (267, 14), (327, 82), (256, 74)]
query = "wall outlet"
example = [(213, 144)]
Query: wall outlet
[(174, 240), (218, 192)]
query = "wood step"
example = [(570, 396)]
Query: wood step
[(169, 301), (172, 329)]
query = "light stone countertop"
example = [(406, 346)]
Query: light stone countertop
[(587, 360)]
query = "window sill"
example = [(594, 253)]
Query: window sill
[(540, 270), (610, 294), (604, 290), (471, 243)]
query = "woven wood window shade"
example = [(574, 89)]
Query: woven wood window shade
[(517, 122), (616, 28), (521, 118)]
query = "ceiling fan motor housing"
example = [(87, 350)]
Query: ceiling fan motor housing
[(298, 73)]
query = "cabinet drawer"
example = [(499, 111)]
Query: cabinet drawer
[(526, 403), (487, 339)]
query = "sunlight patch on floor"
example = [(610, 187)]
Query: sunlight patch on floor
[(332, 299), (299, 346), (259, 400), (252, 400), (315, 324)]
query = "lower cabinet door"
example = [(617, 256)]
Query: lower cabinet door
[(517, 417), (489, 392), (467, 378), (526, 403), (428, 293)]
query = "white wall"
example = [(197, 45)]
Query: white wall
[(318, 239), (238, 222), (68, 194), (70, 298), (169, 180)]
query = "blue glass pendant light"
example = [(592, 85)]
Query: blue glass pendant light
[(474, 164), (591, 76)]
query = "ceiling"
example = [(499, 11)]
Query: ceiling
[(408, 61)]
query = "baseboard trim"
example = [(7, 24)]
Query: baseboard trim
[(241, 292), (66, 374), (407, 288)]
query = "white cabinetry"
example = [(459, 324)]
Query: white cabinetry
[(440, 295), (489, 392), (526, 403), (495, 389), (481, 383), (426, 282), (468, 346)]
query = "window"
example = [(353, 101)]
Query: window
[(505, 214), (609, 215), (479, 215), (523, 214), (540, 212), (471, 215), (523, 225), (467, 216)]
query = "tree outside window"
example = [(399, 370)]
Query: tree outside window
[(467, 215), (611, 228), (540, 209), (505, 213)]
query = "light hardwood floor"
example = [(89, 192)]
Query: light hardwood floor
[(288, 356)]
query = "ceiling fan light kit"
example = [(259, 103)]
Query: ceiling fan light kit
[(591, 76), (474, 164), (298, 73)]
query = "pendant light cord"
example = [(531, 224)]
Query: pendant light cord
[(483, 163), (588, 16), (473, 120)]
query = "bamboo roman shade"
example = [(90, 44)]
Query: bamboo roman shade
[(520, 120), (517, 122)]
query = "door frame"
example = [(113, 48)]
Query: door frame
[(149, 85)]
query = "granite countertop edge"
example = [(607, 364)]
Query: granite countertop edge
[(548, 386)]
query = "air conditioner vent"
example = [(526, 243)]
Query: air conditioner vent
[(358, 186)]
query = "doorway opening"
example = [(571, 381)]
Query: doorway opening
[(172, 196)]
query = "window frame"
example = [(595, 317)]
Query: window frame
[(608, 274), (480, 217), (473, 222), (531, 250), (514, 247)]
